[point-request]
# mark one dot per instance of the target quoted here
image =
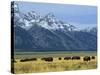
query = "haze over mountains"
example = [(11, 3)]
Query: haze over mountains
[(33, 32)]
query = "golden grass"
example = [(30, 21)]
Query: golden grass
[(56, 65)]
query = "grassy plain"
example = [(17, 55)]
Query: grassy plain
[(56, 64), (19, 55)]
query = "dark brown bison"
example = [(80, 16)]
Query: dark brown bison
[(49, 59), (32, 59), (92, 57), (23, 60), (59, 58), (67, 58), (76, 58), (87, 58)]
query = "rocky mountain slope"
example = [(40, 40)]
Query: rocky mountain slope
[(33, 32)]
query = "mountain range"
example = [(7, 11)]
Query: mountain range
[(33, 32)]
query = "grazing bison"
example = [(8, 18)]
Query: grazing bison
[(87, 58), (49, 59), (32, 59), (23, 60), (75, 58), (67, 58), (93, 57), (59, 58)]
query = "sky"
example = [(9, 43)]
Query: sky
[(80, 15)]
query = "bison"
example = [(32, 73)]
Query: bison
[(67, 58), (76, 58), (32, 59), (49, 59), (92, 57), (59, 58), (87, 58)]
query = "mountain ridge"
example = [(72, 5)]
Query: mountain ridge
[(36, 33)]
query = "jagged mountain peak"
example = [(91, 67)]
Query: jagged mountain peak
[(35, 33), (27, 20), (31, 16), (49, 21), (50, 15)]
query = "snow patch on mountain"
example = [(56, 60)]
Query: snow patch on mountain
[(49, 21)]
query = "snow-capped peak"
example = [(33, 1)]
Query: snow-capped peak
[(50, 15), (32, 16), (49, 21)]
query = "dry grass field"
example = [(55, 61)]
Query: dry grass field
[(55, 65)]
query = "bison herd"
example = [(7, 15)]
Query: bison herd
[(50, 59), (32, 59)]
